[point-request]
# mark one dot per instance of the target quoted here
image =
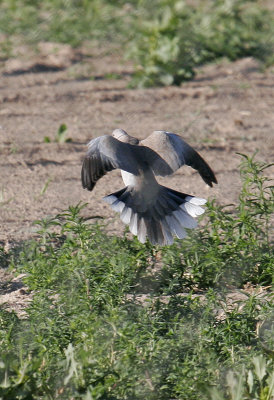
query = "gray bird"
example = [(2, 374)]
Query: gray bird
[(151, 210)]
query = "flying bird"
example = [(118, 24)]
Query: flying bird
[(151, 210)]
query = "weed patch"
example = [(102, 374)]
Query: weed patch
[(165, 39), (87, 336), (171, 42)]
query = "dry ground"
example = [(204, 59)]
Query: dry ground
[(227, 108)]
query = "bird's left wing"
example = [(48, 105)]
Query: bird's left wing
[(106, 153)]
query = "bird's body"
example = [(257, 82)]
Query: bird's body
[(151, 210)]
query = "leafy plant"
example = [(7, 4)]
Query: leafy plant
[(57, 21), (234, 247), (256, 383), (181, 37), (60, 135), (165, 39), (112, 318), (163, 48)]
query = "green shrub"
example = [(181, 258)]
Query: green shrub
[(61, 21), (234, 247), (88, 335), (163, 48), (166, 39), (180, 37)]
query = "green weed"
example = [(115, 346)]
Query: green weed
[(60, 21), (234, 247), (60, 136), (165, 39), (252, 384), (177, 37), (112, 318)]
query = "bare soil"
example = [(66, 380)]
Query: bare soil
[(227, 108)]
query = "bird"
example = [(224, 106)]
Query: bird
[(152, 211)]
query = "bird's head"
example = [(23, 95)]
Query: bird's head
[(122, 136)]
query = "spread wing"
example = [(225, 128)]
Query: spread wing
[(176, 153), (106, 153)]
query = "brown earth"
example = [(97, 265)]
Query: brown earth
[(227, 108)]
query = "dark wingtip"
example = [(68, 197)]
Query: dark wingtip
[(85, 176), (213, 179), (209, 180), (204, 169)]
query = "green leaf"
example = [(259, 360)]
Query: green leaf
[(260, 367), (61, 134)]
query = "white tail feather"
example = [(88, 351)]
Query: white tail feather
[(167, 233), (185, 219), (175, 226), (170, 214), (196, 200), (126, 215), (142, 231), (118, 206), (192, 209), (134, 224)]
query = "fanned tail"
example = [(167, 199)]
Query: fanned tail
[(169, 215)]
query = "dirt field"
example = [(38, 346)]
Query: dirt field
[(227, 108)]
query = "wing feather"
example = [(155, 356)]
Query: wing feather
[(176, 152), (106, 153)]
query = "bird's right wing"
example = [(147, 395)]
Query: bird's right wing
[(175, 152), (106, 153)]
